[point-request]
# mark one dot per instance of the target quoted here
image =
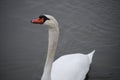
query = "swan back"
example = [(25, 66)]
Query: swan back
[(71, 67)]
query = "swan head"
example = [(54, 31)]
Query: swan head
[(46, 20)]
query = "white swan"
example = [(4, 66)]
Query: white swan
[(68, 67)]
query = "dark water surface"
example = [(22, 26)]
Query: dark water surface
[(84, 25)]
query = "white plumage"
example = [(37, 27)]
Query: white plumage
[(68, 67), (71, 67)]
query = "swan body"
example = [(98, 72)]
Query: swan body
[(68, 67), (71, 67)]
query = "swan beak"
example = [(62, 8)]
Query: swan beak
[(38, 21)]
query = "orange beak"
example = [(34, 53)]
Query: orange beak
[(38, 21)]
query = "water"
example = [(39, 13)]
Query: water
[(84, 26)]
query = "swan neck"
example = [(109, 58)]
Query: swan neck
[(52, 45)]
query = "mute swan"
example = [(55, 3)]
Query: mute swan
[(68, 67)]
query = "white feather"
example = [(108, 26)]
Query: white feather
[(71, 67)]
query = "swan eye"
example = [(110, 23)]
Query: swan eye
[(45, 18)]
